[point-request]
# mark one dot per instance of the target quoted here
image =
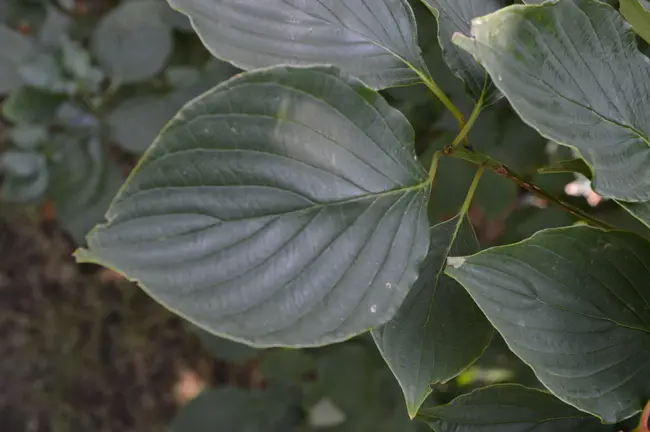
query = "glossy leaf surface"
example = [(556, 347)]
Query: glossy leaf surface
[(438, 331), (573, 303), (284, 207), (373, 40), (573, 71)]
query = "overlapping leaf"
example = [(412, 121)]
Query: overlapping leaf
[(573, 71), (284, 207), (509, 408), (373, 40), (573, 303), (455, 16), (438, 331)]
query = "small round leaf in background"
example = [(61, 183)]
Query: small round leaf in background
[(133, 42), (15, 49)]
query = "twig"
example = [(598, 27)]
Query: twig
[(499, 168)]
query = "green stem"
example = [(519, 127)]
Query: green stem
[(501, 169), (431, 85), (470, 193), (434, 166), (466, 205), (462, 136)]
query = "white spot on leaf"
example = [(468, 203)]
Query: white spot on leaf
[(455, 262)]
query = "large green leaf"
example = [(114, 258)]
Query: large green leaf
[(373, 40), (637, 13), (15, 49), (438, 332), (133, 42), (455, 16), (284, 207), (509, 408), (573, 71), (573, 303)]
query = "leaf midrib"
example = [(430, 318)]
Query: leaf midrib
[(370, 196), (603, 117), (553, 305)]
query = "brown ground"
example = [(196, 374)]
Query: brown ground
[(80, 349)]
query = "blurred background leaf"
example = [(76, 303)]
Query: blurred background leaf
[(84, 181), (133, 41), (15, 50)]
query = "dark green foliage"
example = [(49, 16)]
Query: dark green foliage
[(412, 170)]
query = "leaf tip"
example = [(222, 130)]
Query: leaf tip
[(84, 256), (413, 406)]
